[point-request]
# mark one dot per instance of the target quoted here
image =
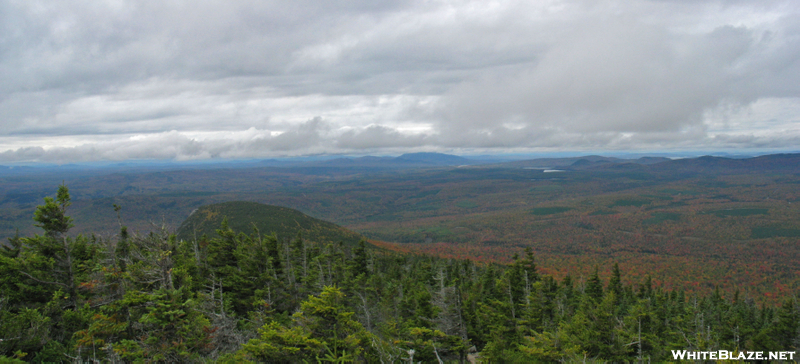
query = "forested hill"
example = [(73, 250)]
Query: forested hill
[(243, 216)]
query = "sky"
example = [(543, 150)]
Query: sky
[(114, 80)]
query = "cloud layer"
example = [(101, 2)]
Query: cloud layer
[(117, 80)]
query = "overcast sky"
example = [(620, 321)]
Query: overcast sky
[(119, 79)]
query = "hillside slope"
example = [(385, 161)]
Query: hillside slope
[(242, 216)]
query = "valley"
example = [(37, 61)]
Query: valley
[(691, 224)]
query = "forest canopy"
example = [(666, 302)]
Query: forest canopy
[(238, 297)]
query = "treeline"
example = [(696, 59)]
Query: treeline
[(238, 297)]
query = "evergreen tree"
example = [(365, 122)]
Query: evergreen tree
[(615, 283), (594, 288), (51, 261), (359, 264)]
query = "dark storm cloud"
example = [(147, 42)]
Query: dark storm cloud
[(86, 80)]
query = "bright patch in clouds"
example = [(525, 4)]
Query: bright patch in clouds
[(184, 80)]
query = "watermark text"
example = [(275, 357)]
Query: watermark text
[(732, 355)]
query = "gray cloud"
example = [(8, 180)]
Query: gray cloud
[(146, 79), (379, 137), (631, 78)]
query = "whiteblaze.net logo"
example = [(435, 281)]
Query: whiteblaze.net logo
[(732, 355)]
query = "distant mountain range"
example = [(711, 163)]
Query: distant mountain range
[(321, 165), (659, 165), (782, 162), (710, 165), (653, 164), (410, 160), (580, 162)]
